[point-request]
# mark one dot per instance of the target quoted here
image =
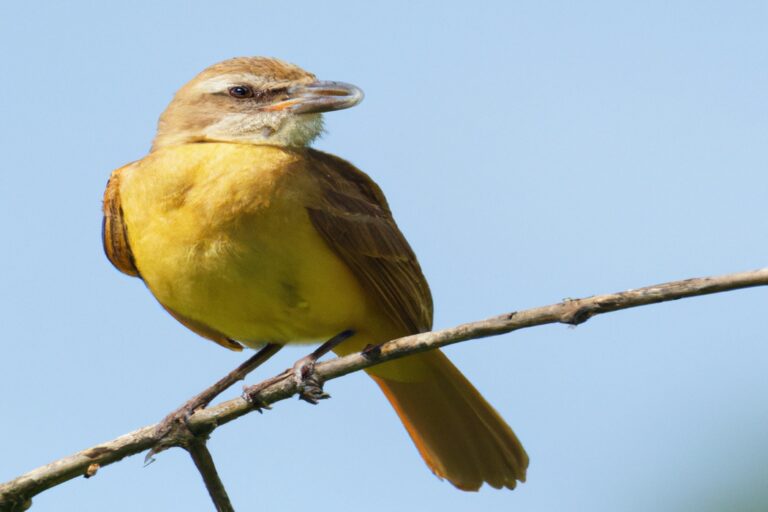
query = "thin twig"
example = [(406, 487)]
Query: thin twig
[(204, 462), (572, 312)]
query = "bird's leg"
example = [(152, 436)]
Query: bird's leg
[(173, 430), (310, 387), (303, 372)]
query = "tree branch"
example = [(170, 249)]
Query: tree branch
[(16, 494), (204, 462)]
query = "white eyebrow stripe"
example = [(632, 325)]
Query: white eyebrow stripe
[(223, 82)]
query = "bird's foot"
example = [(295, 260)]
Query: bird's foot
[(174, 429), (308, 384), (309, 387), (371, 351), (252, 394)]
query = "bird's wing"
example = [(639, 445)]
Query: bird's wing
[(114, 234), (353, 217)]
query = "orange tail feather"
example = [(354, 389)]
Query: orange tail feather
[(459, 435)]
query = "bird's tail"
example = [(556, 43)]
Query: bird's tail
[(459, 435)]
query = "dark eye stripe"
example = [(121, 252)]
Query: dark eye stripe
[(270, 94), (261, 95)]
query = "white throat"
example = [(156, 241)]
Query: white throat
[(275, 128)]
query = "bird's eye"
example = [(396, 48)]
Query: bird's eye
[(241, 91)]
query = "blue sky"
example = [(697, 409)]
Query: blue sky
[(531, 151)]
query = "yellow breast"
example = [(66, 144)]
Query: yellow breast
[(221, 235)]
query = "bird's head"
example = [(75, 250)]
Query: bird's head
[(254, 100)]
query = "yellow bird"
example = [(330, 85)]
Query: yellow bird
[(247, 235)]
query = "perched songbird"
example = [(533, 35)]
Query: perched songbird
[(247, 236)]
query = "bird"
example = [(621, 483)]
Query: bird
[(247, 235)]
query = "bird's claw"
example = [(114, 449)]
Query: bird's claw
[(309, 385), (252, 395), (311, 390)]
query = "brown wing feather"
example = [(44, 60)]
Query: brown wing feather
[(354, 219), (114, 234)]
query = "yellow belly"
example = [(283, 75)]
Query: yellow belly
[(221, 235)]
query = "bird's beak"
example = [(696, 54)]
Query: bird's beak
[(318, 97)]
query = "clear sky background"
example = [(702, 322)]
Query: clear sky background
[(531, 151)]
